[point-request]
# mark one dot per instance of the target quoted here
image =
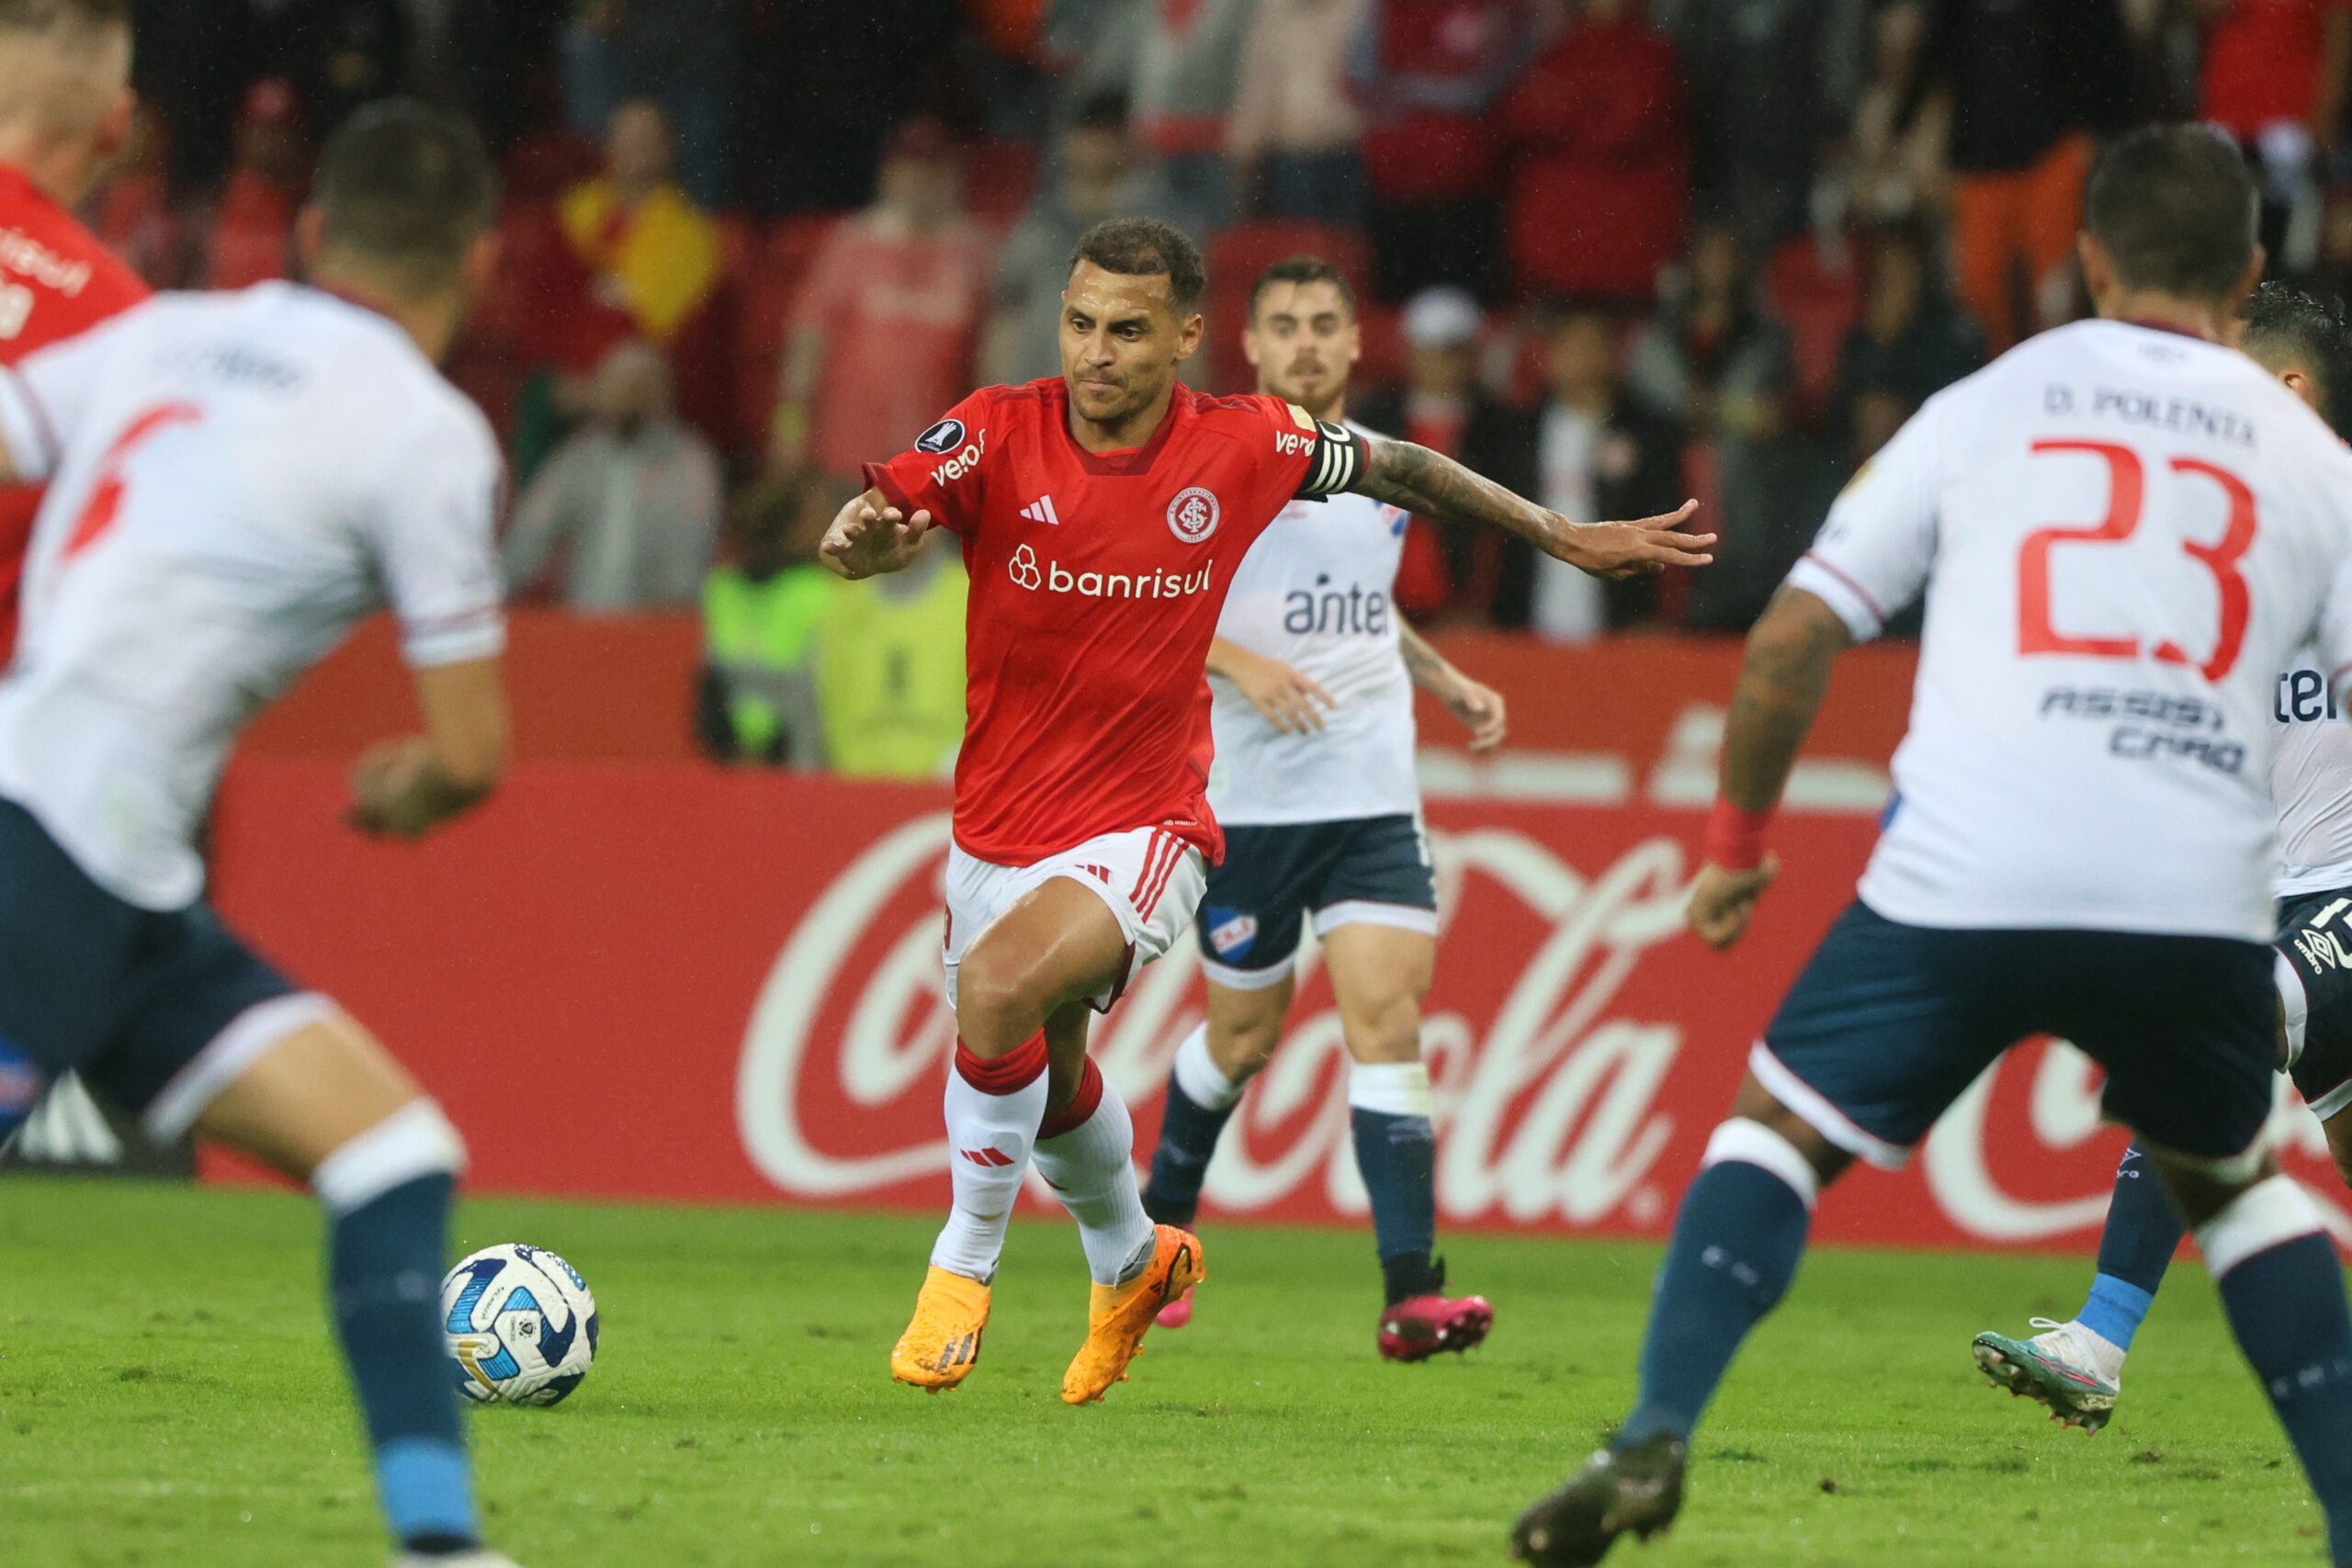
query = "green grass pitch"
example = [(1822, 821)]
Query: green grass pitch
[(168, 1396)]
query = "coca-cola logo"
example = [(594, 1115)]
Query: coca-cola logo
[(1558, 1043)]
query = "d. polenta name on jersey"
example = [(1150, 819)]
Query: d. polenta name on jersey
[(2150, 411)]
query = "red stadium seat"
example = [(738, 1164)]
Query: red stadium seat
[(1820, 302), (546, 163), (1000, 179), (765, 298), (1236, 256)]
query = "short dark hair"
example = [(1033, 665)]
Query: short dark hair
[(1302, 270), (50, 15), (2285, 324), (2173, 206), (1141, 247), (407, 184)]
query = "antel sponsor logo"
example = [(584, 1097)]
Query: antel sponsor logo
[(1029, 572)]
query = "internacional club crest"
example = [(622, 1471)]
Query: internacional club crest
[(1193, 514)]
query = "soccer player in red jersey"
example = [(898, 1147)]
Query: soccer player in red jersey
[(65, 111), (1103, 517)]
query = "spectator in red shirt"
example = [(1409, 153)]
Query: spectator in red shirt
[(2274, 78), (1450, 576), (254, 227), (131, 210), (884, 332), (1429, 73), (1601, 157)]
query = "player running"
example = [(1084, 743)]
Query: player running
[(1313, 718), (2124, 530), (2076, 1367), (65, 111), (236, 480), (1103, 517)]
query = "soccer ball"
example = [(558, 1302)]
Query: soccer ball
[(522, 1325)]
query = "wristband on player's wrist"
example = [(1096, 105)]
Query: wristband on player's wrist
[(1735, 838)]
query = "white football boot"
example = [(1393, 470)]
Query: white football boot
[(2074, 1371)]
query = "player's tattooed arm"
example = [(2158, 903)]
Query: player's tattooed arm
[(1432, 485), (1480, 709), (1782, 683), (870, 536)]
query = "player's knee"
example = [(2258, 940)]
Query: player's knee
[(1384, 1027), (2339, 1145), (2268, 1214), (414, 1141), (1242, 1053), (993, 1012)]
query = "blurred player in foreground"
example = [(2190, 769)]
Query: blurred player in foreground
[(1103, 517), (2076, 1367), (235, 479), (2124, 530), (1314, 785), (65, 110)]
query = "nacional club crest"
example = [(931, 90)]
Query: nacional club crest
[(944, 437), (1230, 933), (1193, 515)]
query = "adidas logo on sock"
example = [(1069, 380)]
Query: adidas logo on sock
[(1041, 510)]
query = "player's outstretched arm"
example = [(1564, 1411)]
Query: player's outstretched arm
[(869, 537), (1480, 709), (1782, 681), (408, 786), (1432, 485)]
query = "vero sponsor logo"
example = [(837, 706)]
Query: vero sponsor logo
[(963, 463), (1028, 571)]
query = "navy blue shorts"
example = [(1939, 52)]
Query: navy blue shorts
[(128, 998), (1890, 1023), (1369, 869), (2315, 989)]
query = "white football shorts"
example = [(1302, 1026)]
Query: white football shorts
[(1150, 878)]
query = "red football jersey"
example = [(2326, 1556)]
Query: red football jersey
[(1096, 582), (56, 280)]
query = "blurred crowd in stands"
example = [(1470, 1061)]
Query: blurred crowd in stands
[(1609, 252)]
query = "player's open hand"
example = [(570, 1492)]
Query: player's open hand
[(1480, 709), (1722, 901), (1633, 549), (868, 538), (1290, 701)]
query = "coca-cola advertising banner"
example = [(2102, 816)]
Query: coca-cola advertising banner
[(671, 982)]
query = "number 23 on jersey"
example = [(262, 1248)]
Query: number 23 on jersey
[(2128, 480)]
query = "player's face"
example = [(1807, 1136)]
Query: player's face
[(1122, 341), (1303, 343)]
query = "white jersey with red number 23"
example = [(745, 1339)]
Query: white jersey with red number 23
[(2124, 534), (235, 479)]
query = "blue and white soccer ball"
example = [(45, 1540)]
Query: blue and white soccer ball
[(522, 1325)]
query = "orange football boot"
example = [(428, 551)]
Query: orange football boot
[(1118, 1314), (941, 1345)]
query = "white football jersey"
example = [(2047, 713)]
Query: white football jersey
[(1313, 592), (234, 479), (2124, 534), (2310, 781)]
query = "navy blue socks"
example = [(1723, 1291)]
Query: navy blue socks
[(2284, 1293), (388, 1193), (2134, 1248), (1200, 1101), (1735, 1246)]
